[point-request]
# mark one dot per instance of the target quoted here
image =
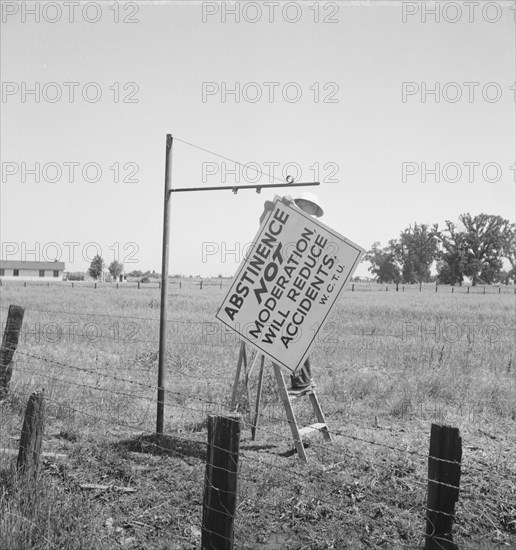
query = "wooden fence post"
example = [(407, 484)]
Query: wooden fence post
[(179, 284), (353, 287), (220, 488), (9, 344), (484, 289), (95, 285), (138, 285), (31, 435), (201, 285), (444, 462), (419, 287), (436, 288)]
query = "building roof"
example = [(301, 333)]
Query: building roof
[(17, 264)]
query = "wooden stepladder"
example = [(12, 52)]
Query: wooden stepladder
[(287, 397)]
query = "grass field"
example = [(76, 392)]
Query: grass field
[(387, 365)]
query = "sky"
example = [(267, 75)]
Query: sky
[(402, 110)]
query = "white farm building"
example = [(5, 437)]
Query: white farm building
[(31, 271)]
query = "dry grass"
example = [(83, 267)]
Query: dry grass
[(387, 365)]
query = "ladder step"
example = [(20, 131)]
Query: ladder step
[(294, 394), (317, 427)]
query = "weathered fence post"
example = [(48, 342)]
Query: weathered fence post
[(468, 289), (436, 288), (95, 285), (138, 285), (200, 285), (444, 462), (484, 289), (220, 488), (31, 435), (499, 290), (397, 287), (179, 284), (353, 287), (386, 288), (419, 287), (9, 344), (72, 284)]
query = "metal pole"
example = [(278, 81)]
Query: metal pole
[(164, 288)]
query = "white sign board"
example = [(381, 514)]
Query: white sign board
[(285, 289)]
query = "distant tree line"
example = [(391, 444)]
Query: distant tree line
[(115, 268), (75, 276), (475, 248), (98, 265)]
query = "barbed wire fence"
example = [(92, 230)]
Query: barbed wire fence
[(327, 479), (122, 405), (223, 283)]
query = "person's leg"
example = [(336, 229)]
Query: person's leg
[(303, 379), (307, 369)]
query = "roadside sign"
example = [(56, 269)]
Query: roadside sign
[(288, 284)]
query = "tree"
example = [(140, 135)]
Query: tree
[(510, 253), (487, 239), (116, 269), (96, 267), (452, 258), (383, 263), (416, 251)]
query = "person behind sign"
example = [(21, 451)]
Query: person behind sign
[(309, 203)]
